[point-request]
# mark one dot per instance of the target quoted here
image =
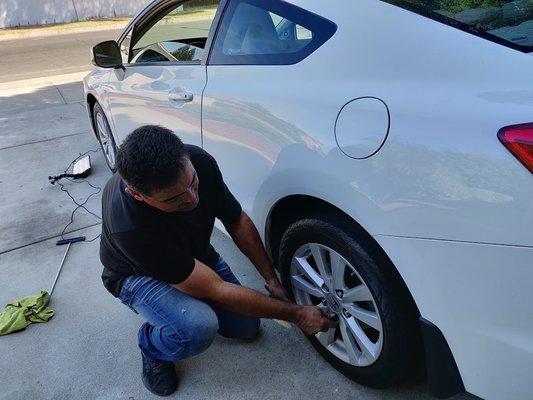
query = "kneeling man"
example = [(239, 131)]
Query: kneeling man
[(158, 213)]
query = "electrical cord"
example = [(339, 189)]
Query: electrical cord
[(82, 204)]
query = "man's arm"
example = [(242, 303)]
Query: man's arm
[(245, 235), (204, 283)]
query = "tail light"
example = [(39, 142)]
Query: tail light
[(518, 139)]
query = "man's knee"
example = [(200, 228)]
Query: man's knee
[(195, 336), (203, 333)]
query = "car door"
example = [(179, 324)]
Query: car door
[(258, 90), (163, 76)]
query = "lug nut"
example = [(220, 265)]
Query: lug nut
[(340, 293), (346, 313)]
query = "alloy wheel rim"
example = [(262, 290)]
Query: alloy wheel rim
[(321, 276), (105, 138)]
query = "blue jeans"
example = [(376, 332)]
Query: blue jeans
[(179, 326)]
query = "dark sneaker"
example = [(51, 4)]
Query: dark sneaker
[(159, 377)]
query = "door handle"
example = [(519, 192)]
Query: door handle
[(180, 96)]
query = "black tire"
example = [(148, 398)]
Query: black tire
[(97, 111), (401, 347)]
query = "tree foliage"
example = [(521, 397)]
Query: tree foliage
[(456, 6)]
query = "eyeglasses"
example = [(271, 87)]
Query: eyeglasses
[(176, 197)]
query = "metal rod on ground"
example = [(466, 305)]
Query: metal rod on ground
[(59, 243), (59, 270)]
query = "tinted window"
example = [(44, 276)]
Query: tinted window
[(178, 35), (507, 22), (268, 32)]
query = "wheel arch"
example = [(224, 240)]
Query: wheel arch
[(294, 207), (91, 101)]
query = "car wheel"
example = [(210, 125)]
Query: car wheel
[(324, 262), (105, 137)]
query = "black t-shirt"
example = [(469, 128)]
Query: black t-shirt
[(138, 239)]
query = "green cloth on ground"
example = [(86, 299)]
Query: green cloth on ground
[(20, 313)]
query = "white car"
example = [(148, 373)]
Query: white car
[(384, 149)]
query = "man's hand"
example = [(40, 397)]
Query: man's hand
[(312, 320), (275, 289)]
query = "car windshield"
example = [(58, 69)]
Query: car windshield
[(506, 21)]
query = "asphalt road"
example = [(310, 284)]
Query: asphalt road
[(88, 350), (49, 55)]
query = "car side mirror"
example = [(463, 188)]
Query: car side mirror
[(107, 55)]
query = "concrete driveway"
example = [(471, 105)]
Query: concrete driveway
[(88, 350)]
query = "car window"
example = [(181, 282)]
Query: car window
[(125, 47), (150, 55), (268, 32), (508, 22), (178, 35)]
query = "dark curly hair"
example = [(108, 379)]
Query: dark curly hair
[(151, 158)]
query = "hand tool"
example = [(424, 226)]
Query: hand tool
[(61, 242)]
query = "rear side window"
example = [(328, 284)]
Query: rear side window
[(268, 32), (509, 23)]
